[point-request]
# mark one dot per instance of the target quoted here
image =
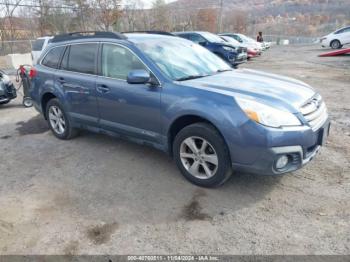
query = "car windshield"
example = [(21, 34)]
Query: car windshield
[(246, 39), (230, 40), (180, 59), (211, 37)]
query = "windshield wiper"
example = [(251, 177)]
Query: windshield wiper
[(190, 77), (223, 70)]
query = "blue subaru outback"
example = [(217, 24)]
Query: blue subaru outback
[(177, 96)]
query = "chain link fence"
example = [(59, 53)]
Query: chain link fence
[(15, 47), (292, 40)]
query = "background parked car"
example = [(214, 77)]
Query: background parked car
[(245, 41), (337, 39), (7, 89), (216, 45), (38, 46), (250, 52)]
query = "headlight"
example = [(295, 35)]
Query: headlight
[(267, 115), (228, 48)]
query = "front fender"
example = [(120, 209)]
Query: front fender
[(244, 138)]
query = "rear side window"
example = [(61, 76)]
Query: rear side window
[(53, 57), (38, 45), (82, 58)]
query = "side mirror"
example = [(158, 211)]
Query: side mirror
[(138, 77)]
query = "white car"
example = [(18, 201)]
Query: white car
[(246, 42), (337, 39), (38, 47)]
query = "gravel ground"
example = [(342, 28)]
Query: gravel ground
[(100, 195)]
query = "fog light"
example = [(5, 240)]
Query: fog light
[(282, 162)]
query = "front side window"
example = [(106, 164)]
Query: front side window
[(118, 61), (53, 57), (82, 58), (343, 30)]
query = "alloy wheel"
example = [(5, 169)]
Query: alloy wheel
[(57, 120), (199, 158)]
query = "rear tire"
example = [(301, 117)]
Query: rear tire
[(58, 120), (202, 155), (335, 44), (27, 102)]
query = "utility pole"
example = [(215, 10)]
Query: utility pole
[(220, 16)]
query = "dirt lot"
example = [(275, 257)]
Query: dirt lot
[(98, 195)]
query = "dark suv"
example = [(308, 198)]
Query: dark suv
[(217, 45), (175, 95)]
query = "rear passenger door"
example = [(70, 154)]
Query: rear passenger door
[(77, 78), (130, 109)]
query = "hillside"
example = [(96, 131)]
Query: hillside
[(291, 17)]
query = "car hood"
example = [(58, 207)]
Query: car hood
[(279, 91)]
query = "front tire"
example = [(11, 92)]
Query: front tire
[(202, 155), (4, 103), (58, 121), (335, 44)]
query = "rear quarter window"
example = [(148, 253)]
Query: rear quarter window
[(38, 45), (52, 58)]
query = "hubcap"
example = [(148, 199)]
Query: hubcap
[(57, 120), (199, 158)]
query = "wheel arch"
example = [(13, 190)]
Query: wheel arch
[(44, 100), (181, 122), (333, 40)]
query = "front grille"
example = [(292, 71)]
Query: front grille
[(239, 50), (315, 112)]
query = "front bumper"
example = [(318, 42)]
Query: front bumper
[(298, 155), (7, 92)]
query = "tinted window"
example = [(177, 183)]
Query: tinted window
[(82, 58), (38, 44), (53, 57), (118, 61), (64, 63)]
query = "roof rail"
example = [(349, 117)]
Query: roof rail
[(86, 35), (156, 32)]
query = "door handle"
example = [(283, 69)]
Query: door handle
[(103, 88), (61, 80)]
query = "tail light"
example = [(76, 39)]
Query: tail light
[(22, 69), (32, 72)]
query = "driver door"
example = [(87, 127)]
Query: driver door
[(128, 109)]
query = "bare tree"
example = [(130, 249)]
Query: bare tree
[(107, 13), (160, 16), (132, 12), (9, 30)]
